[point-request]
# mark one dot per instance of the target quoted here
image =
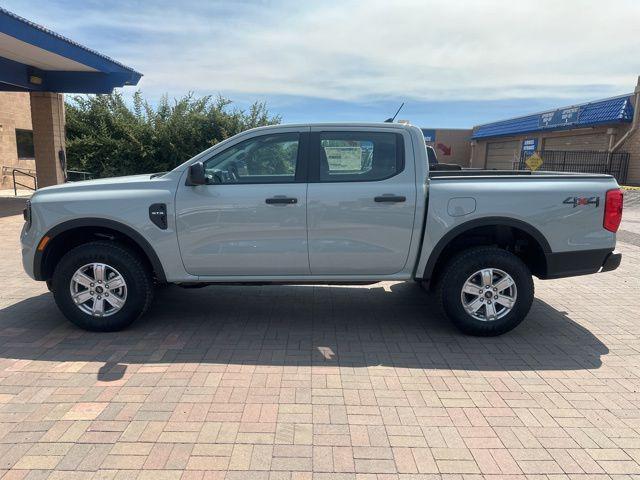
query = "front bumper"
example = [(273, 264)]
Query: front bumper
[(28, 244)]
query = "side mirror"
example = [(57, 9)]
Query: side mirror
[(196, 175)]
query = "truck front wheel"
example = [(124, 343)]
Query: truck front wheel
[(486, 291), (102, 286)]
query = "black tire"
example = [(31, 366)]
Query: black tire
[(139, 284), (465, 264)]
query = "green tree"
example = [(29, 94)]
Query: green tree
[(107, 136)]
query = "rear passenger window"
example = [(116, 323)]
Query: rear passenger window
[(360, 156)]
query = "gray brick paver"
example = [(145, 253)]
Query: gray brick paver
[(304, 382)]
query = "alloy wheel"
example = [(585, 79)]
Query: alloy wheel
[(98, 289), (489, 294)]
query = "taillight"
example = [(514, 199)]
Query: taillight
[(613, 210)]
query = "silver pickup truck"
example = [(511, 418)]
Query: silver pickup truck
[(324, 203)]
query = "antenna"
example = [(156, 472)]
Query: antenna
[(390, 120)]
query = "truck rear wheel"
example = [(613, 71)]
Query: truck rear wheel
[(102, 286), (486, 291)]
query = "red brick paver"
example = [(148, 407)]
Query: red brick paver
[(304, 382)]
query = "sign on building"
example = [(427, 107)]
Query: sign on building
[(559, 118), (429, 134), (529, 147)]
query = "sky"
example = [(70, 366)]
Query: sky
[(455, 64)]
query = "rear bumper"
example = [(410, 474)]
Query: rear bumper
[(584, 262), (611, 262)]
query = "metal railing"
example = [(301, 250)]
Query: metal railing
[(26, 174), (616, 164), (78, 175)]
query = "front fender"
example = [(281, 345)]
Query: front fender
[(40, 255)]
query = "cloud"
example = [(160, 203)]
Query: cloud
[(424, 50)]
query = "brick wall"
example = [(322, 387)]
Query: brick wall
[(452, 145), (15, 112), (47, 114), (632, 145)]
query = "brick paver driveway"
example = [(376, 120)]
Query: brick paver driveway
[(321, 382)]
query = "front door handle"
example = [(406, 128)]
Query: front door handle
[(281, 200), (390, 198)]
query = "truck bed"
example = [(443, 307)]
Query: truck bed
[(474, 173)]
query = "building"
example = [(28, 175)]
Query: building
[(37, 66), (452, 145), (16, 138), (600, 136)]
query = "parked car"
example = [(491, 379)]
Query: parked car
[(327, 203)]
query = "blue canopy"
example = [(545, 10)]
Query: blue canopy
[(33, 58), (607, 111)]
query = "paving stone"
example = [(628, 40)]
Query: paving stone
[(321, 382)]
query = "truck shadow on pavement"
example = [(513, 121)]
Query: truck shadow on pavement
[(388, 326)]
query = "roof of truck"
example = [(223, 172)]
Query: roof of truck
[(342, 124), (329, 125)]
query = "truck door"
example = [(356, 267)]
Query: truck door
[(361, 201), (251, 217)]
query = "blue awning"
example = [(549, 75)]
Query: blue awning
[(607, 111), (33, 58)]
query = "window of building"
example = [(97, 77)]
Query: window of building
[(24, 141)]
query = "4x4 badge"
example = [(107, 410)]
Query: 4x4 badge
[(581, 201)]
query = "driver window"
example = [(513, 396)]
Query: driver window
[(266, 159)]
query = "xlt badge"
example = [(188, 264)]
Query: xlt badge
[(158, 215)]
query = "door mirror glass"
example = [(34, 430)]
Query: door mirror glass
[(196, 175)]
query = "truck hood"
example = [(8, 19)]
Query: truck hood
[(89, 188), (88, 184)]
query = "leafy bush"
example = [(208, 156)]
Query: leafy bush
[(108, 137)]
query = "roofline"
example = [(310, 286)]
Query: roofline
[(444, 128), (338, 124), (51, 41), (553, 109), (555, 129)]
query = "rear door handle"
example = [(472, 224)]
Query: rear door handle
[(281, 200), (391, 198)]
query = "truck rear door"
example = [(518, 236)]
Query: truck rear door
[(361, 201)]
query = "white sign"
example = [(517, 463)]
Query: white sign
[(344, 158)]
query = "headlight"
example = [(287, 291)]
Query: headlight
[(26, 213)]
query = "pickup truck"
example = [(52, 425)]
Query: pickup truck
[(320, 204)]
